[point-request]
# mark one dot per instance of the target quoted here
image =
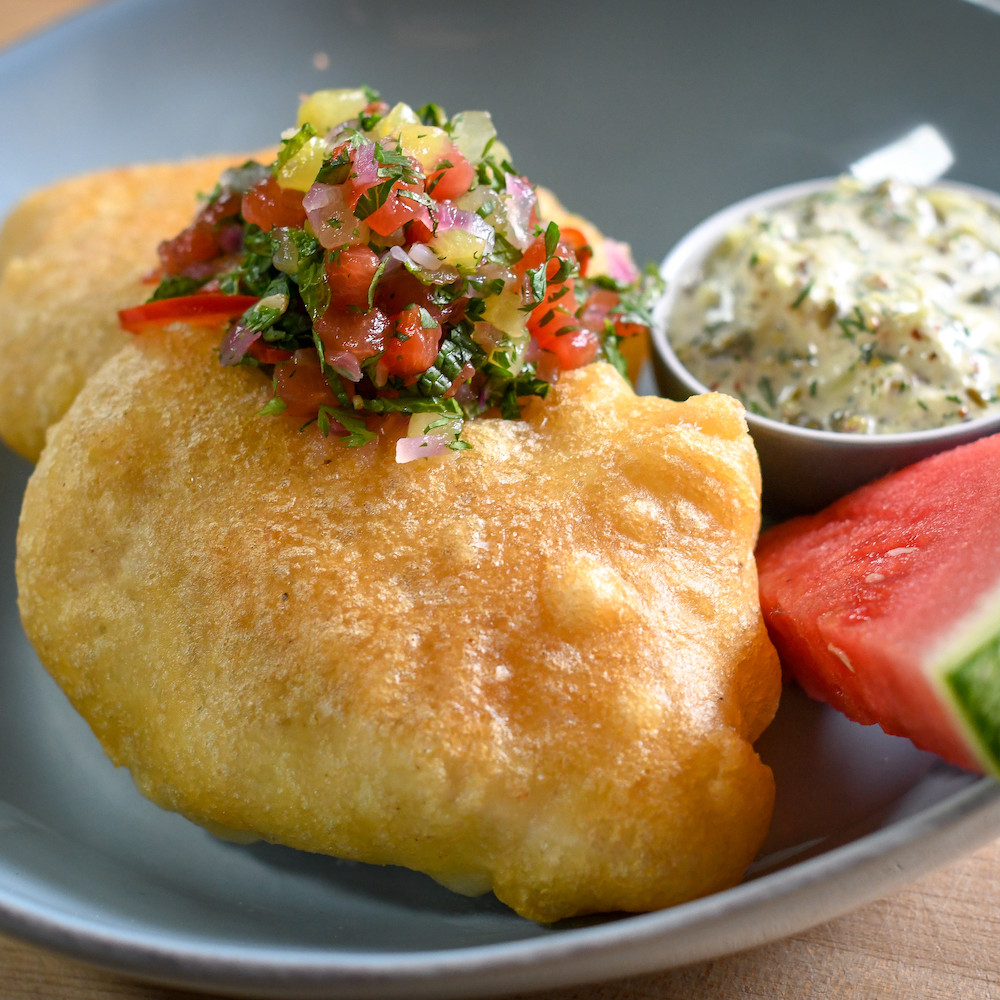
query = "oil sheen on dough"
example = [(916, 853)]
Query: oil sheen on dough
[(536, 666)]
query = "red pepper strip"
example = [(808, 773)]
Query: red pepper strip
[(206, 309), (267, 354)]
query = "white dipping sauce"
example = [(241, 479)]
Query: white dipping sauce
[(855, 308)]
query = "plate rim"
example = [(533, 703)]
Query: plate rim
[(636, 944)]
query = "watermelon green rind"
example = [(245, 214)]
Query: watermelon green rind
[(965, 667), (974, 689)]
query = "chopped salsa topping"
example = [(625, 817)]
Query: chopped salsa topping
[(392, 261)]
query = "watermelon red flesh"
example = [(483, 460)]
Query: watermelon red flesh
[(886, 605)]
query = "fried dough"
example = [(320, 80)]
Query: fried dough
[(74, 253), (535, 666), (71, 255)]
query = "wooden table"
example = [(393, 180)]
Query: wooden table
[(936, 940)]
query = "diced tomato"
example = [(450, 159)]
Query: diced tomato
[(419, 230), (398, 288), (410, 347), (226, 206), (364, 174), (361, 334), (349, 273), (301, 385), (398, 209), (268, 205), (468, 370), (266, 354), (532, 256), (551, 316), (555, 327), (390, 428), (451, 178), (599, 303), (193, 245), (598, 308), (577, 242), (624, 329), (201, 310), (547, 366), (201, 241), (574, 349)]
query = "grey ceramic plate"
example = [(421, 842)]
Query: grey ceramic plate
[(647, 119)]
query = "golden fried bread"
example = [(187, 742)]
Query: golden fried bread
[(535, 666), (71, 255)]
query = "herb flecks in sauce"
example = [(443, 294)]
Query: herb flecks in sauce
[(396, 268), (858, 309)]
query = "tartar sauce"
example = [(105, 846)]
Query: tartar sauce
[(869, 309)]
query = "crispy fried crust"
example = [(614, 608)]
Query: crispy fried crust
[(71, 256), (534, 666)]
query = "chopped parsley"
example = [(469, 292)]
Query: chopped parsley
[(398, 274)]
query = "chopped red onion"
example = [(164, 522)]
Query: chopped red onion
[(365, 169), (231, 238), (201, 269), (486, 335), (447, 216), (318, 197), (533, 351), (520, 203), (424, 257), (423, 446), (621, 267), (338, 134), (236, 343), (398, 253), (465, 393), (329, 215), (346, 364)]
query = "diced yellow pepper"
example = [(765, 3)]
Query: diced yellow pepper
[(326, 108), (427, 144), (300, 170), (398, 116), (458, 248), (500, 152), (505, 313), (472, 131), (423, 423)]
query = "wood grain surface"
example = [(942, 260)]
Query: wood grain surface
[(935, 940)]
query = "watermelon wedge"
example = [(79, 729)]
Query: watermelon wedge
[(886, 604)]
